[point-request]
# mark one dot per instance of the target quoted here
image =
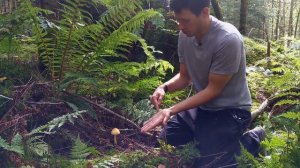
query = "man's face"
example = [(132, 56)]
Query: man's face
[(188, 22)]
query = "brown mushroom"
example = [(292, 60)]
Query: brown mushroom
[(115, 132)]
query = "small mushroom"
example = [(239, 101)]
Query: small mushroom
[(115, 132)]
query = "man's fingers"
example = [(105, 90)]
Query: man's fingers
[(152, 123), (149, 126), (159, 100), (155, 102)]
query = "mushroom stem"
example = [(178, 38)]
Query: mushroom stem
[(115, 139)]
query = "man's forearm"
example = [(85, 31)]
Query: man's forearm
[(198, 99), (213, 89), (178, 82)]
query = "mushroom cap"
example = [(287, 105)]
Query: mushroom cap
[(115, 131)]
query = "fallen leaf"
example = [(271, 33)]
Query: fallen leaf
[(3, 79)]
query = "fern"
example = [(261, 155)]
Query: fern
[(108, 162), (246, 160), (76, 43), (80, 151), (15, 146), (56, 123), (292, 115), (36, 147), (141, 111)]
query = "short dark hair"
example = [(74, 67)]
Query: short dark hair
[(195, 6)]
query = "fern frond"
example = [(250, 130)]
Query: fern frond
[(292, 115), (80, 150), (138, 20), (56, 123), (287, 101), (141, 111), (15, 146), (35, 146)]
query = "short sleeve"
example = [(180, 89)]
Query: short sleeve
[(227, 58), (180, 47)]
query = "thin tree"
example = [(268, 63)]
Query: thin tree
[(217, 9), (243, 16), (283, 25), (297, 23), (272, 21), (277, 20), (290, 28)]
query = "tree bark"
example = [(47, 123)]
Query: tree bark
[(272, 22), (297, 23), (217, 9), (283, 25), (290, 28), (243, 16), (277, 20), (8, 6)]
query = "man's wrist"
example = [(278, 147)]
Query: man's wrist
[(164, 87)]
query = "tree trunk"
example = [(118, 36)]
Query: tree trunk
[(272, 22), (283, 25), (297, 23), (8, 6), (290, 28), (277, 20), (217, 9), (243, 16)]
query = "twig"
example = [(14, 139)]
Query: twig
[(18, 96), (45, 103), (235, 164), (8, 98), (43, 83), (107, 110), (32, 102), (215, 160), (8, 124), (139, 145)]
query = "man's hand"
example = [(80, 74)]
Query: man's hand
[(160, 118), (157, 96)]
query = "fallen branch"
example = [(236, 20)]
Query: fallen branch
[(107, 110), (262, 108)]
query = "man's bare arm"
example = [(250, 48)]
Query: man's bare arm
[(216, 84)]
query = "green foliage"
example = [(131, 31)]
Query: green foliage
[(141, 111), (187, 154), (35, 147), (15, 146), (56, 123), (78, 44), (255, 51), (80, 151), (246, 159)]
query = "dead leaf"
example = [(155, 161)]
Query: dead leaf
[(2, 79)]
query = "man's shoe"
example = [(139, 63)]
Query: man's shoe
[(252, 138)]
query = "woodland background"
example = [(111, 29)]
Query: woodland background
[(71, 70)]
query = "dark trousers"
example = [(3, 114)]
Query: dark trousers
[(217, 134)]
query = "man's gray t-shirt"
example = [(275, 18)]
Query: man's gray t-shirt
[(220, 51)]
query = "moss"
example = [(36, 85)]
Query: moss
[(254, 51)]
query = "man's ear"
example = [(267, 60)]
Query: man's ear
[(205, 11)]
